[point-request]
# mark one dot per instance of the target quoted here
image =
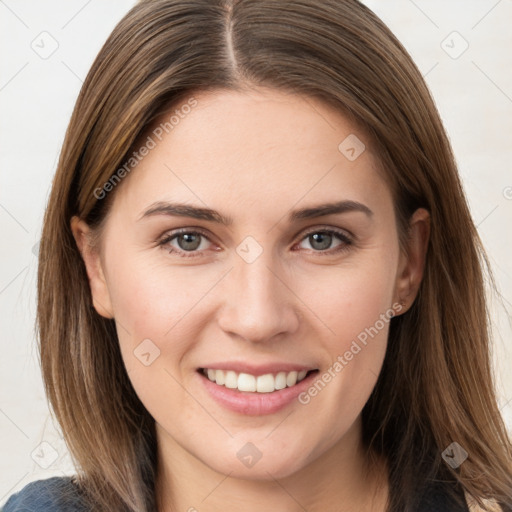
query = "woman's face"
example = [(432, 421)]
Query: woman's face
[(287, 262)]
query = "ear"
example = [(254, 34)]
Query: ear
[(99, 289), (412, 259)]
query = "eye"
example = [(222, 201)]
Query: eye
[(322, 240), (188, 243), (185, 241)]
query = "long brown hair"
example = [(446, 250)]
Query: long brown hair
[(436, 386)]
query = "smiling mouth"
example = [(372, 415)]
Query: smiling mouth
[(245, 382)]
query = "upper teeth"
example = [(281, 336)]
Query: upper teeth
[(262, 384)]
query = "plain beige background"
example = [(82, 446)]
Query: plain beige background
[(463, 48)]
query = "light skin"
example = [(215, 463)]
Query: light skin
[(256, 156)]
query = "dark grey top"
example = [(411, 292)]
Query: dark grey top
[(60, 494), (57, 494)]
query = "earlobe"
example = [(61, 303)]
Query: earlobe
[(413, 259), (91, 257)]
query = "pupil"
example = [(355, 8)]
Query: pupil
[(323, 240), (189, 241)]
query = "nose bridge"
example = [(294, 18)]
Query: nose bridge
[(257, 304)]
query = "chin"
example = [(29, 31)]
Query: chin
[(266, 468)]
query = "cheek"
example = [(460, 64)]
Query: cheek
[(152, 305), (349, 299), (153, 299), (158, 310), (354, 307)]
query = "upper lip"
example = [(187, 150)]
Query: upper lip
[(260, 369)]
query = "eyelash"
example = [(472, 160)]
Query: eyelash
[(342, 236)]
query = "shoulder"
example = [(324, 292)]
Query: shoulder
[(57, 494)]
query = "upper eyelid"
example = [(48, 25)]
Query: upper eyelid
[(339, 231)]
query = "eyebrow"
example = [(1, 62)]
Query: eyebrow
[(185, 210)]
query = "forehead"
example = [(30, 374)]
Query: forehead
[(260, 148)]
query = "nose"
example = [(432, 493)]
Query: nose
[(258, 304)]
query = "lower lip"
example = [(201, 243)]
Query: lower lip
[(255, 404)]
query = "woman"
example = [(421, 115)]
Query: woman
[(260, 286)]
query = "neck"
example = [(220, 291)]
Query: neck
[(341, 479)]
